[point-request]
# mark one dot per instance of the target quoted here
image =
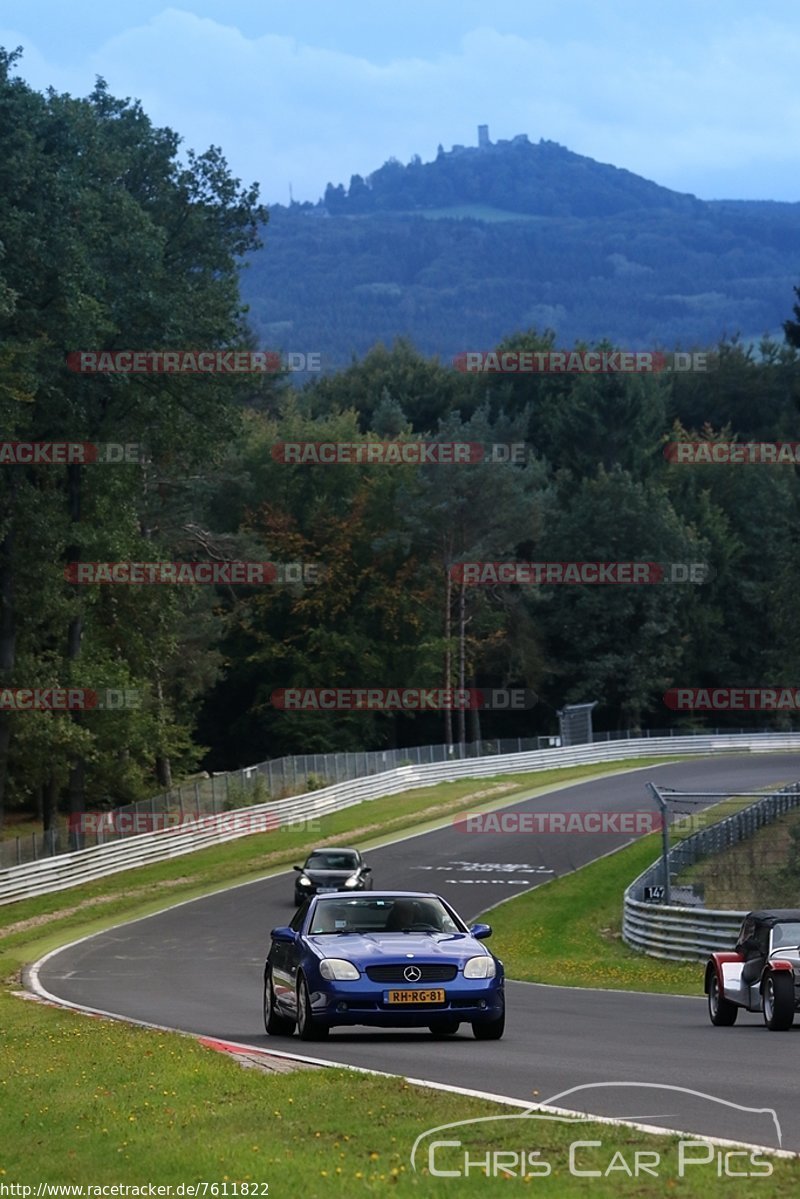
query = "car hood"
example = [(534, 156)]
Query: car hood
[(373, 948)]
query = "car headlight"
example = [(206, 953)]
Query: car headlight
[(482, 967), (304, 882), (352, 881), (338, 970)]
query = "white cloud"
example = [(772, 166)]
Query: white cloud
[(713, 113)]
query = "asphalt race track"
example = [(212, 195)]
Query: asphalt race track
[(198, 967)]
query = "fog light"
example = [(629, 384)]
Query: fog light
[(341, 1007), (482, 1003)]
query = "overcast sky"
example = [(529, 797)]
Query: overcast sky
[(699, 95)]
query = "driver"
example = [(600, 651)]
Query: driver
[(401, 916), (754, 951)]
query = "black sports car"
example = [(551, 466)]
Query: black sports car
[(331, 869)]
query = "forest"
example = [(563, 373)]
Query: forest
[(458, 253), (112, 241)]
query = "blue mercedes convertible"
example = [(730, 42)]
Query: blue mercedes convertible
[(386, 959)]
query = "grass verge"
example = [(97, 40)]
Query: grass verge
[(763, 871)]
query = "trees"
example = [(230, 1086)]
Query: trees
[(108, 242)]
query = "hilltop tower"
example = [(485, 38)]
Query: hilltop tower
[(483, 137)]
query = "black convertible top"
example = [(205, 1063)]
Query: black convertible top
[(775, 916)]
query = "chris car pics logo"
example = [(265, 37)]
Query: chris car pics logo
[(518, 1145)]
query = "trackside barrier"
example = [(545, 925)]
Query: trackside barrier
[(70, 869), (686, 934)]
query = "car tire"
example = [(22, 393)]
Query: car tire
[(444, 1028), (308, 1029), (721, 1012), (490, 1030), (276, 1025), (777, 1001)]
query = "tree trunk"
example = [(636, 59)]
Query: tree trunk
[(163, 764), (448, 663), (474, 718), (77, 776), (7, 638), (462, 653)]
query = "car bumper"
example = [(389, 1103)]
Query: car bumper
[(362, 1002), (310, 892)]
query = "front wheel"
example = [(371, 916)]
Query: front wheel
[(308, 1029), (491, 1030), (721, 1011), (778, 1001), (276, 1025)]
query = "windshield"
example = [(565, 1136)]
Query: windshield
[(787, 935), (332, 860), (364, 914)]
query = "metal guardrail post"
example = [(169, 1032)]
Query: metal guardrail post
[(662, 804)]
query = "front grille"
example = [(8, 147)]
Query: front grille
[(430, 973)]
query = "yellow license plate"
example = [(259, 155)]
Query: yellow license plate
[(416, 996)]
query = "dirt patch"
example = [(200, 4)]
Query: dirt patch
[(22, 926)]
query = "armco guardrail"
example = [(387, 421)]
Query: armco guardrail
[(679, 934), (278, 778), (690, 933), (70, 869)]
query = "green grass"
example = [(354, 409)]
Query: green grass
[(86, 1100), (568, 931)]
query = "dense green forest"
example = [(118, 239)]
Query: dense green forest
[(110, 241), (458, 253)]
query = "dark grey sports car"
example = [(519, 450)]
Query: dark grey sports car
[(328, 870)]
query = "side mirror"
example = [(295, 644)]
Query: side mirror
[(366, 870), (284, 935), (480, 931), (300, 868)]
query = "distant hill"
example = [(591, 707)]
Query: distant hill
[(484, 241)]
